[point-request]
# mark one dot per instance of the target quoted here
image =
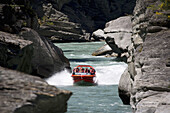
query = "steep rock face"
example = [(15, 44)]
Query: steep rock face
[(152, 78), (93, 14), (60, 31), (15, 52), (87, 16), (148, 63), (22, 93), (29, 53), (47, 59), (55, 25)]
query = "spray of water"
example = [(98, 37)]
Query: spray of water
[(61, 79), (107, 75)]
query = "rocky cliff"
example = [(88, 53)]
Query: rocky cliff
[(75, 20), (146, 82), (22, 49), (41, 57)]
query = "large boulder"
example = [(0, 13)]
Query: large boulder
[(22, 93), (103, 51), (125, 87), (15, 52), (47, 59), (98, 34), (120, 30), (30, 53), (117, 34)]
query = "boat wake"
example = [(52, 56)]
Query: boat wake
[(109, 75), (105, 75), (61, 79)]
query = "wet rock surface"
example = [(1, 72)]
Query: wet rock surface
[(22, 93)]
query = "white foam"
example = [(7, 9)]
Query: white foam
[(109, 75), (105, 75), (72, 55), (61, 79)]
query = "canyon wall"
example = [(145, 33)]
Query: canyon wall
[(145, 84)]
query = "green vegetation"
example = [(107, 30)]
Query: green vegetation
[(165, 4), (161, 8), (45, 20), (140, 49), (14, 6), (49, 23)]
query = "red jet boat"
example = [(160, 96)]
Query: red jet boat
[(84, 75)]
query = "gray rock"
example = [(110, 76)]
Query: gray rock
[(117, 35), (47, 59), (125, 87), (122, 40), (158, 103), (22, 93), (98, 35), (120, 30), (148, 60), (111, 42), (62, 32), (15, 52), (89, 14), (103, 51), (121, 24)]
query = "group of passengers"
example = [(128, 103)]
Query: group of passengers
[(84, 70)]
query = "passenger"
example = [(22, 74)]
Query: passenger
[(86, 70), (82, 70), (92, 71), (77, 70), (74, 70)]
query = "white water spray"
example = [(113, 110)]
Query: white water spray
[(61, 79), (109, 75), (106, 75)]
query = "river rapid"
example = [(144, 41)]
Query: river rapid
[(102, 98)]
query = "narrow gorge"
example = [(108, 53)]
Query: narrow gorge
[(135, 32)]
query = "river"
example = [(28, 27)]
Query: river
[(102, 98)]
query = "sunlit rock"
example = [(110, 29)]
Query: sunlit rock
[(22, 93)]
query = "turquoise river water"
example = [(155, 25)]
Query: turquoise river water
[(102, 98)]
